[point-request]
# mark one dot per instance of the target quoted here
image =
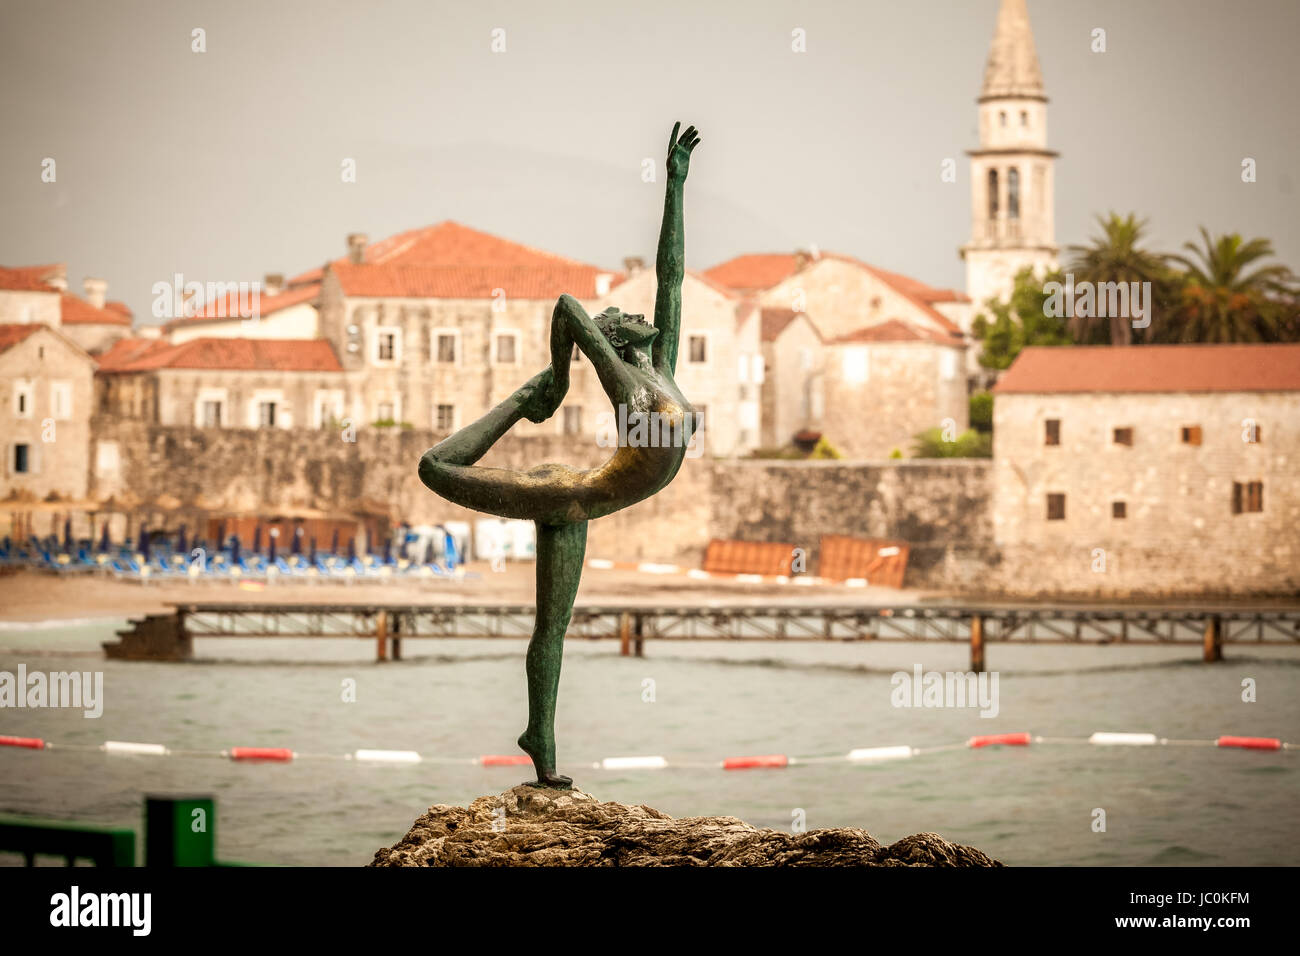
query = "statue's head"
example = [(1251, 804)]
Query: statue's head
[(623, 329)]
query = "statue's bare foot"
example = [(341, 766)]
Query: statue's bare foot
[(544, 762), (551, 781)]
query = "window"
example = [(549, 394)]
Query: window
[(1252, 434), (1024, 117), (266, 414), (384, 412), (446, 348), (993, 194), (1191, 434), (386, 345), (573, 419), (697, 349), (1013, 193), (506, 348), (1055, 507), (1052, 431), (1002, 117), (445, 418), (23, 399), (857, 364), (1247, 497), (22, 463), (61, 400), (1118, 509), (948, 364), (1124, 436), (210, 414)]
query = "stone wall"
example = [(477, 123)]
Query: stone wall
[(942, 508)]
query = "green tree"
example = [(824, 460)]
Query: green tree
[(969, 444), (1221, 300), (981, 412), (1117, 255), (1019, 322)]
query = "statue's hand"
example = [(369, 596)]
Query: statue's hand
[(679, 151), (540, 396)]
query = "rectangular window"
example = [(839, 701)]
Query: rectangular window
[(698, 349), (21, 461), (1247, 497), (23, 399), (1124, 436), (386, 346), (506, 350), (1056, 507), (1118, 509), (572, 419), (1251, 433), (384, 412), (446, 348), (1052, 432), (1191, 434), (61, 400), (445, 418), (211, 414), (266, 414)]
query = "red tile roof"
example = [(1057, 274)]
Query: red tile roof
[(230, 307), (465, 257), (895, 330), (756, 272), (775, 321), (11, 335), (1154, 368), (467, 282), (79, 311), (281, 355), (32, 278)]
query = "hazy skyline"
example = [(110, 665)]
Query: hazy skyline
[(224, 165)]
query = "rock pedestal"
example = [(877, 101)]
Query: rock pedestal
[(528, 826)]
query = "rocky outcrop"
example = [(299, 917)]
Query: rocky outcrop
[(528, 826)]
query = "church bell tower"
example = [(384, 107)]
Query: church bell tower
[(1012, 205)]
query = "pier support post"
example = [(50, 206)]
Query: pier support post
[(639, 643), (624, 634), (1213, 640), (397, 638), (381, 635), (977, 644)]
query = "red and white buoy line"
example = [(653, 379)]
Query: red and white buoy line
[(648, 567), (860, 755)]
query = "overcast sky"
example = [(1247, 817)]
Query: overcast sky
[(226, 165)]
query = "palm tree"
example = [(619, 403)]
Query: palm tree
[(1221, 302), (1115, 256)]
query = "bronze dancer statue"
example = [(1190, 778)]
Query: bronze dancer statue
[(635, 362)]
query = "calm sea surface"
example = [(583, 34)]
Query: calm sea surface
[(459, 699)]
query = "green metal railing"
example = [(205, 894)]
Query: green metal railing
[(178, 831)]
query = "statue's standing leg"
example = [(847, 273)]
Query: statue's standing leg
[(560, 552)]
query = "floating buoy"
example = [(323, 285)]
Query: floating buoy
[(1251, 743), (633, 763), (880, 753), (31, 743), (1008, 740), (746, 763), (388, 756), (505, 760), (1131, 740), (125, 747), (280, 754)]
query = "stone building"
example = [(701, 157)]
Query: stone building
[(1152, 470), (876, 358), (1011, 173), (46, 391), (39, 295)]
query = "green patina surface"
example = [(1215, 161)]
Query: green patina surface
[(636, 362)]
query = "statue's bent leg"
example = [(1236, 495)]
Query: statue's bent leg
[(560, 552)]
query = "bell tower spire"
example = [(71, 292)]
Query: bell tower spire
[(1012, 200)]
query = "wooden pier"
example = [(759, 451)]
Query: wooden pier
[(171, 636)]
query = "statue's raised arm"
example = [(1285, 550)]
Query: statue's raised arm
[(670, 262)]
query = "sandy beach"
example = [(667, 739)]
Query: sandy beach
[(38, 596)]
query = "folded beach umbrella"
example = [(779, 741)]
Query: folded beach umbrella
[(257, 539), (334, 542), (180, 541), (104, 543), (296, 546)]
